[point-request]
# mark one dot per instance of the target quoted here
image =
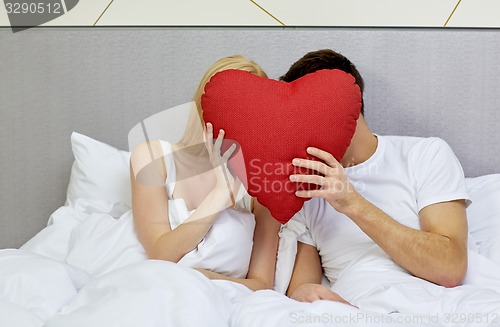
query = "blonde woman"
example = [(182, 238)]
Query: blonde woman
[(187, 213), (184, 208)]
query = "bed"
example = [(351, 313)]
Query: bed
[(103, 82)]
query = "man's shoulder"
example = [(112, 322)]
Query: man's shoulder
[(421, 155), (410, 144), (407, 140)]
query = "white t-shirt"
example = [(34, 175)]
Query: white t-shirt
[(404, 175)]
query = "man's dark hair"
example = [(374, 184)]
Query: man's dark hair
[(324, 59)]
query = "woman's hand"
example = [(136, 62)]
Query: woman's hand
[(225, 180)]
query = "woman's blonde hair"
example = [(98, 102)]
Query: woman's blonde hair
[(193, 134)]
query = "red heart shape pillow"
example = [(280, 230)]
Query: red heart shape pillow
[(275, 121)]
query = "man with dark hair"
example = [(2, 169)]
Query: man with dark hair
[(392, 201), (324, 59)]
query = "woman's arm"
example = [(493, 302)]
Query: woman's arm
[(265, 246), (150, 207)]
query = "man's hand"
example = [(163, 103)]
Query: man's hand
[(309, 292), (335, 185)]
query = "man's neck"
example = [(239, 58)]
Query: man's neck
[(363, 145)]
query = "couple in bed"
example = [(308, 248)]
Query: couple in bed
[(393, 208)]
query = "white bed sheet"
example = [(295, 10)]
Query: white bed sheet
[(90, 270)]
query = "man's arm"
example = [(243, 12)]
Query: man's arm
[(305, 284), (437, 253)]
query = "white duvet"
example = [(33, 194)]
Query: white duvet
[(90, 270)]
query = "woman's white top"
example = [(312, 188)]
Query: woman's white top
[(227, 247)]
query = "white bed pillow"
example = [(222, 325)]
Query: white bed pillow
[(484, 214), (100, 178)]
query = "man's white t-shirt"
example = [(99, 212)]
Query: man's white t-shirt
[(404, 175)]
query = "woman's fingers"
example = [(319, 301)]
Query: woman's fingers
[(218, 142), (229, 152), (215, 148), (209, 133)]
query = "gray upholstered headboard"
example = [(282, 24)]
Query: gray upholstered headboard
[(101, 82)]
